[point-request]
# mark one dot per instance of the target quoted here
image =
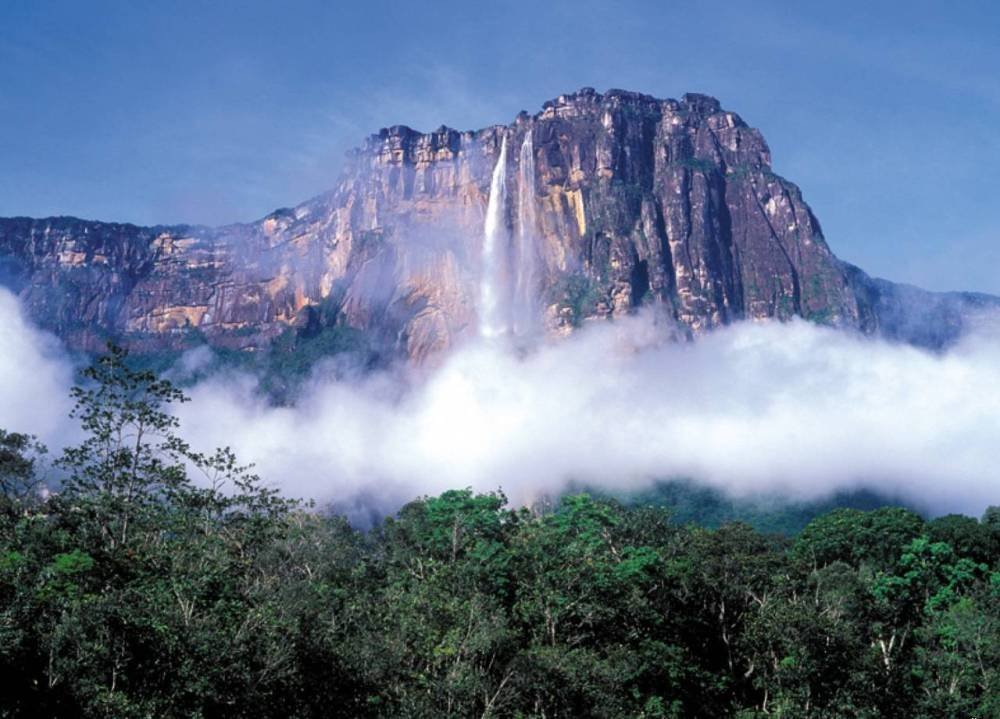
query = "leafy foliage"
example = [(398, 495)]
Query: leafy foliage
[(20, 470), (577, 295), (692, 503), (163, 582)]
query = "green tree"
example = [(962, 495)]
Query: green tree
[(969, 538), (21, 479)]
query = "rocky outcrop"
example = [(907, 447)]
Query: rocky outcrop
[(637, 201)]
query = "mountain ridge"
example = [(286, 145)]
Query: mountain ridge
[(634, 201)]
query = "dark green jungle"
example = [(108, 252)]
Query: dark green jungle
[(154, 581)]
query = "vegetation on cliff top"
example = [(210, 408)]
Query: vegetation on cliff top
[(164, 582)]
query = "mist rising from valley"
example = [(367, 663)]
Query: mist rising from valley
[(752, 409)]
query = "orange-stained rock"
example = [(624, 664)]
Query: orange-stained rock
[(637, 200)]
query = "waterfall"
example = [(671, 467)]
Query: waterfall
[(509, 284), (525, 309), (494, 305)]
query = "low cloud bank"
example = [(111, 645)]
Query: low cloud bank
[(35, 377), (790, 409)]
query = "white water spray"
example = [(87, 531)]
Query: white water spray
[(494, 305), (525, 312)]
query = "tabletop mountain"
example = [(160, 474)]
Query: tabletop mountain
[(591, 208)]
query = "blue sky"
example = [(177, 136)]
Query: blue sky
[(888, 117)]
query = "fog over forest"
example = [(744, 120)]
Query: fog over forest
[(755, 408)]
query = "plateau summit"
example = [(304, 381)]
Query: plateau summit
[(591, 208)]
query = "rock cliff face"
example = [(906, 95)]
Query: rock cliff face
[(635, 201)]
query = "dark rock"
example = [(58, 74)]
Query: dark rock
[(638, 200)]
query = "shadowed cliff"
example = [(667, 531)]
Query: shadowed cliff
[(634, 201)]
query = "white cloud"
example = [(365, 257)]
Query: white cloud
[(755, 408), (35, 376), (793, 409)]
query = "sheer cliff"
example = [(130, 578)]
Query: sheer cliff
[(629, 201)]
